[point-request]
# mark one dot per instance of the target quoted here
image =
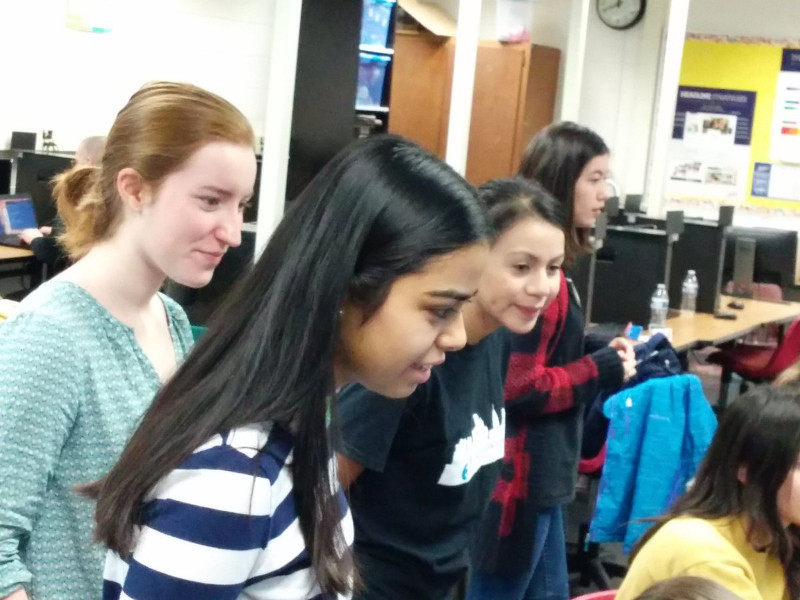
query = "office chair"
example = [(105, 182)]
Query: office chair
[(758, 363), (766, 335), (585, 563), (603, 595), (771, 292)]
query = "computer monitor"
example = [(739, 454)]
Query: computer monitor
[(697, 248), (16, 213), (5, 176), (629, 266), (633, 203), (23, 140), (35, 173), (775, 254)]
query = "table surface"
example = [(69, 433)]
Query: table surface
[(11, 253), (701, 329)]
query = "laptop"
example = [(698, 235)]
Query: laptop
[(16, 214)]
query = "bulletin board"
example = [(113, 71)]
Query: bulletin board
[(749, 84)]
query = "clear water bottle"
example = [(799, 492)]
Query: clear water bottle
[(659, 305), (689, 292)]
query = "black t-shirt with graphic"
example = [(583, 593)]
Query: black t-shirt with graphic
[(430, 465)]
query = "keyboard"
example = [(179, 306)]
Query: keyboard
[(12, 239)]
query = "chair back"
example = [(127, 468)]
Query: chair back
[(590, 466), (766, 335), (771, 292), (787, 352), (602, 595)]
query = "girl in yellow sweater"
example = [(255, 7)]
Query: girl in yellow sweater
[(738, 524)]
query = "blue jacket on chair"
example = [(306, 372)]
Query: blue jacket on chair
[(659, 432)]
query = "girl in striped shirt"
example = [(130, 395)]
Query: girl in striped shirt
[(227, 489)]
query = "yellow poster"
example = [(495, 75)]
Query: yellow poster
[(742, 64)]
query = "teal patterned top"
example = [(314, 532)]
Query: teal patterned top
[(73, 384)]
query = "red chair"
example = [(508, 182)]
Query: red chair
[(770, 292), (766, 335), (604, 595), (758, 364)]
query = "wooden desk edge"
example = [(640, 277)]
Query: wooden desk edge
[(9, 253)]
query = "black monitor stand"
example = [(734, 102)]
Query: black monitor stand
[(725, 222), (600, 230), (674, 229), (744, 261)]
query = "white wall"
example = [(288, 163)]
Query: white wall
[(75, 82), (622, 68), (549, 26), (620, 72), (620, 75), (776, 19)]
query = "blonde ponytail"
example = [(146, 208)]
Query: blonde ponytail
[(86, 217)]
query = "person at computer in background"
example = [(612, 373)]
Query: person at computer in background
[(88, 350), (739, 522), (44, 240), (518, 550), (420, 472)]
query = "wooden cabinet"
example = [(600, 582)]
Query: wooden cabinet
[(513, 98)]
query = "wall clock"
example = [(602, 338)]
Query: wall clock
[(621, 14)]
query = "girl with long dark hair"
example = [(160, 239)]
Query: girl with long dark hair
[(227, 489), (738, 522), (420, 472)]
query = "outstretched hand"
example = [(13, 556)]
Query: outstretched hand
[(624, 348), (28, 235)]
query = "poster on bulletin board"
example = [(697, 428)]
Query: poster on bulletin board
[(775, 180), (766, 71), (709, 155), (785, 139)]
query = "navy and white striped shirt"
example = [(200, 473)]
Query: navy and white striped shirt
[(222, 526)]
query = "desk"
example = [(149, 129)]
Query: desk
[(11, 254), (694, 330), (17, 262)]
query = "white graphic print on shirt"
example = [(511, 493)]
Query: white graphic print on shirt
[(482, 447)]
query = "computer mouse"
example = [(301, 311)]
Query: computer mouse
[(736, 304)]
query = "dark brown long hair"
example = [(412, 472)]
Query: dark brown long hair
[(378, 211), (510, 200), (755, 449), (555, 157)]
